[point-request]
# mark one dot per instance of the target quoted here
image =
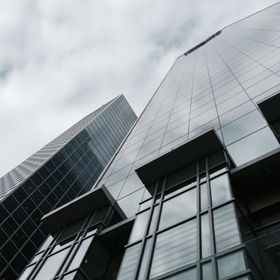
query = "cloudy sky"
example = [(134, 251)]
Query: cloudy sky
[(61, 59)]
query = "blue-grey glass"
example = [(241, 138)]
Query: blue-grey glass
[(154, 219), (178, 208), (26, 272), (128, 266), (205, 236), (243, 126), (145, 259), (174, 248), (253, 146), (203, 197), (188, 274), (231, 264), (226, 228), (80, 254), (51, 265), (207, 271), (62, 170), (220, 190), (139, 226)]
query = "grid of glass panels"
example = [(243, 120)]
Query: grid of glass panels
[(70, 172), (216, 86), (188, 229), (61, 256)]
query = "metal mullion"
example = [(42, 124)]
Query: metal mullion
[(146, 232), (211, 224), (198, 224), (154, 235), (71, 255)]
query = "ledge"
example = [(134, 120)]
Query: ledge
[(270, 108), (259, 170), (186, 153), (80, 207)]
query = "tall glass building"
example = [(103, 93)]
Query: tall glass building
[(62, 170), (193, 193)]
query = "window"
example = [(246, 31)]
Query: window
[(174, 248), (51, 265), (188, 274), (205, 236), (178, 208), (226, 230), (231, 264), (203, 197), (26, 272), (220, 190), (79, 255), (207, 273), (129, 262), (139, 226)]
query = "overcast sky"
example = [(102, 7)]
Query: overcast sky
[(61, 59)]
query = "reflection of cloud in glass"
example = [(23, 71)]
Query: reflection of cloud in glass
[(252, 146)]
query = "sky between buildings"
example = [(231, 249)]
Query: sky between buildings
[(62, 59)]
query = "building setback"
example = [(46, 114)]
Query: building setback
[(62, 170), (193, 192)]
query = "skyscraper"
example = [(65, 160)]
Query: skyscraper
[(193, 192), (62, 170)]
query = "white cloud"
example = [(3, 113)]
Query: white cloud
[(59, 60)]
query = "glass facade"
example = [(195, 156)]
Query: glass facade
[(218, 85), (215, 216), (62, 170)]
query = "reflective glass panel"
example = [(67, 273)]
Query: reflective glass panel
[(207, 273), (26, 272), (174, 248), (203, 197), (144, 260), (205, 236), (51, 265), (178, 208), (139, 226), (79, 255), (226, 229), (252, 146), (231, 264), (220, 190), (129, 262), (185, 275)]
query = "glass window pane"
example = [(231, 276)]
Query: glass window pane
[(231, 264), (129, 262), (243, 126), (205, 236), (203, 197), (79, 255), (145, 260), (139, 227), (185, 275), (226, 230), (26, 272), (51, 265), (154, 220), (253, 146), (178, 208), (207, 273), (174, 248), (220, 190), (47, 243)]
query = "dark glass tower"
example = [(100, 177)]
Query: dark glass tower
[(197, 177), (62, 170)]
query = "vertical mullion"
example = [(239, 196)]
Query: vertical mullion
[(211, 223), (198, 223), (154, 235)]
